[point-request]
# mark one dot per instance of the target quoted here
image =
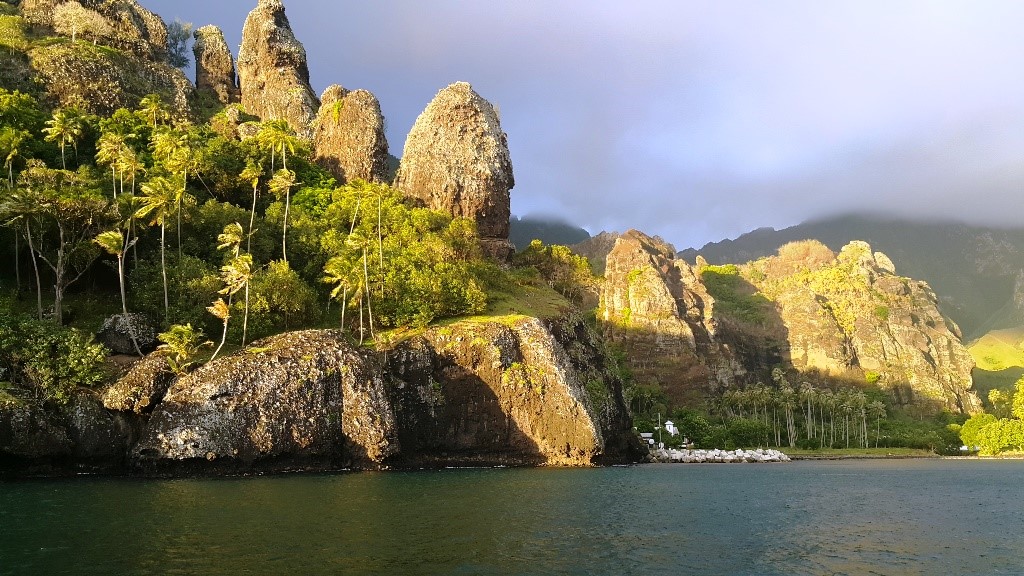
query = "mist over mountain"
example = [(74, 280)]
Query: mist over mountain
[(973, 269), (548, 229)]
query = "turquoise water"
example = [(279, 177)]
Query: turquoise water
[(846, 517)]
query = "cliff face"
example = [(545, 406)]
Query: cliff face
[(456, 160), (215, 66), (348, 135), (855, 312), (122, 24), (273, 71), (475, 392), (653, 306), (847, 316)]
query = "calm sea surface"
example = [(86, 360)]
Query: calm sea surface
[(889, 517)]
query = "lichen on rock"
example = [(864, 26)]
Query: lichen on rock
[(456, 160), (215, 66), (272, 70), (348, 135)]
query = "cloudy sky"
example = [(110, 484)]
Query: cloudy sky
[(699, 120)]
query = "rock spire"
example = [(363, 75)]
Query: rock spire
[(215, 67), (456, 160), (272, 70), (348, 135)]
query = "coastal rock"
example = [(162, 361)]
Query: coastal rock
[(118, 332), (96, 437), (215, 66), (30, 433), (506, 393), (272, 70), (456, 160), (519, 391), (348, 135), (142, 388), (122, 24), (300, 399)]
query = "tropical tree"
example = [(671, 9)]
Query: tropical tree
[(154, 109), (157, 203), (18, 210), (115, 244), (66, 126), (177, 150), (251, 175), (281, 185), (221, 311), (11, 141), (110, 149), (876, 410)]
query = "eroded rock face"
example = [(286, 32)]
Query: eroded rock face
[(507, 393), (516, 392), (129, 26), (854, 312), (301, 399), (272, 70), (456, 160), (142, 388), (348, 135), (654, 306), (215, 66)]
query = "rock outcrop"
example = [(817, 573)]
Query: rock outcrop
[(142, 388), (215, 66), (122, 24), (272, 70), (348, 135), (301, 399), (515, 392), (456, 160), (654, 306), (853, 313)]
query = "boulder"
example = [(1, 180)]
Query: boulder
[(119, 331), (215, 66), (348, 135), (30, 433), (272, 70), (142, 388), (456, 160), (96, 437), (297, 400)]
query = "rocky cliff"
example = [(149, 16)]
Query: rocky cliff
[(520, 391), (845, 316), (853, 312), (215, 66), (272, 70), (117, 57), (456, 160), (654, 307), (348, 135)]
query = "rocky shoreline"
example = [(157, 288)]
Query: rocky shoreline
[(725, 456)]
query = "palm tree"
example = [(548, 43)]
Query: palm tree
[(176, 149), (238, 272), (877, 410), (65, 127), (20, 207), (109, 149), (282, 183), (114, 243), (251, 174), (220, 309), (154, 109), (336, 273), (158, 203), (11, 140)]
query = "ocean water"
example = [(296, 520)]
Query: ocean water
[(890, 517)]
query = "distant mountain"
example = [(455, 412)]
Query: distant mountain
[(524, 230), (975, 271)]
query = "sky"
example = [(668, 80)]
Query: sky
[(699, 120)]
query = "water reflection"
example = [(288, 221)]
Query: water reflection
[(874, 517)]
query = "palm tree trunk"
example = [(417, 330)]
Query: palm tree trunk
[(17, 268), (223, 337), (252, 219), (35, 268), (245, 317), (284, 233), (369, 304), (163, 270)]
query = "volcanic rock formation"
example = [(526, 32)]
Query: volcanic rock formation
[(215, 67), (456, 160), (348, 135), (123, 24), (272, 70)]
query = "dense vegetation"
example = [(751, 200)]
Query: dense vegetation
[(238, 238)]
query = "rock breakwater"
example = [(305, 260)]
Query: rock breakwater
[(703, 456)]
